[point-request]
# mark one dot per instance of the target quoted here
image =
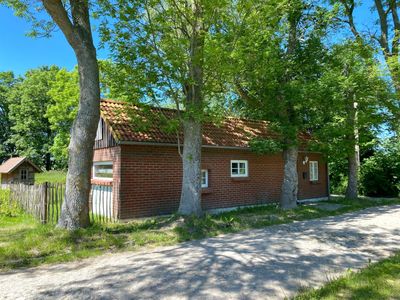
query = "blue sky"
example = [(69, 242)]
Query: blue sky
[(19, 53)]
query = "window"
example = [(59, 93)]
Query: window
[(24, 174), (204, 178), (103, 170), (99, 133), (313, 171), (239, 168)]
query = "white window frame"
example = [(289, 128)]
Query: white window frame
[(101, 163), (314, 170), (246, 163), (204, 185), (99, 132)]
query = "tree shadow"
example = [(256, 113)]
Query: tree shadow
[(272, 262)]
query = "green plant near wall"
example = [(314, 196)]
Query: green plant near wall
[(8, 208)]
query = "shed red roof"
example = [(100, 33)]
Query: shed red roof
[(129, 123), (11, 164)]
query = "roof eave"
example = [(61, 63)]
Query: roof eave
[(203, 146), (20, 163)]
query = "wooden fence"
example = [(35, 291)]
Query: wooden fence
[(44, 201)]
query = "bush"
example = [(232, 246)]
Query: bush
[(338, 175), (380, 174), (7, 208)]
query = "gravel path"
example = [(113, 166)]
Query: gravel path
[(269, 263)]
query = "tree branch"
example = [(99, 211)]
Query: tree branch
[(59, 14), (383, 40), (396, 23)]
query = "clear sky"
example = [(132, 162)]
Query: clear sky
[(19, 53)]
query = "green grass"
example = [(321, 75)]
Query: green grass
[(25, 242), (51, 176), (378, 281)]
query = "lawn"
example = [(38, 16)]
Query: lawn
[(25, 242), (378, 281), (51, 176)]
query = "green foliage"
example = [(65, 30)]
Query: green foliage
[(64, 93), (380, 174), (8, 208), (28, 103), (7, 81), (351, 75), (151, 43), (276, 70), (266, 146)]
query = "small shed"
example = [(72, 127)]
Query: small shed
[(18, 170)]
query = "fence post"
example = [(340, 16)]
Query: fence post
[(44, 203)]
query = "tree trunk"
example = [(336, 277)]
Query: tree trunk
[(75, 209), (190, 203), (75, 25), (48, 161), (354, 155), (290, 178), (352, 181)]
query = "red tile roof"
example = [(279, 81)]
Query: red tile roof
[(11, 164), (129, 123)]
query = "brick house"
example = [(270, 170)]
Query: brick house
[(143, 165), (18, 170)]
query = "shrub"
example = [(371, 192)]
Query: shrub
[(7, 208), (380, 174)]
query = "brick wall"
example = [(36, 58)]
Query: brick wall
[(312, 189), (150, 181), (111, 154)]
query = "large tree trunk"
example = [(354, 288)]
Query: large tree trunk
[(190, 203), (191, 159), (75, 209), (354, 155), (352, 181), (75, 25), (290, 178)]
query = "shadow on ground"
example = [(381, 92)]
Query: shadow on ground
[(270, 263)]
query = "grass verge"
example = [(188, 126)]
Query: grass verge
[(378, 281), (24, 242), (51, 176)]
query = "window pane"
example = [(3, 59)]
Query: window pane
[(235, 168), (204, 178), (313, 170), (103, 171)]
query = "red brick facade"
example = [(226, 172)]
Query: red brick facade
[(147, 179), (111, 154)]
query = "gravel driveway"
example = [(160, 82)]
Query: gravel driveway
[(269, 263)]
